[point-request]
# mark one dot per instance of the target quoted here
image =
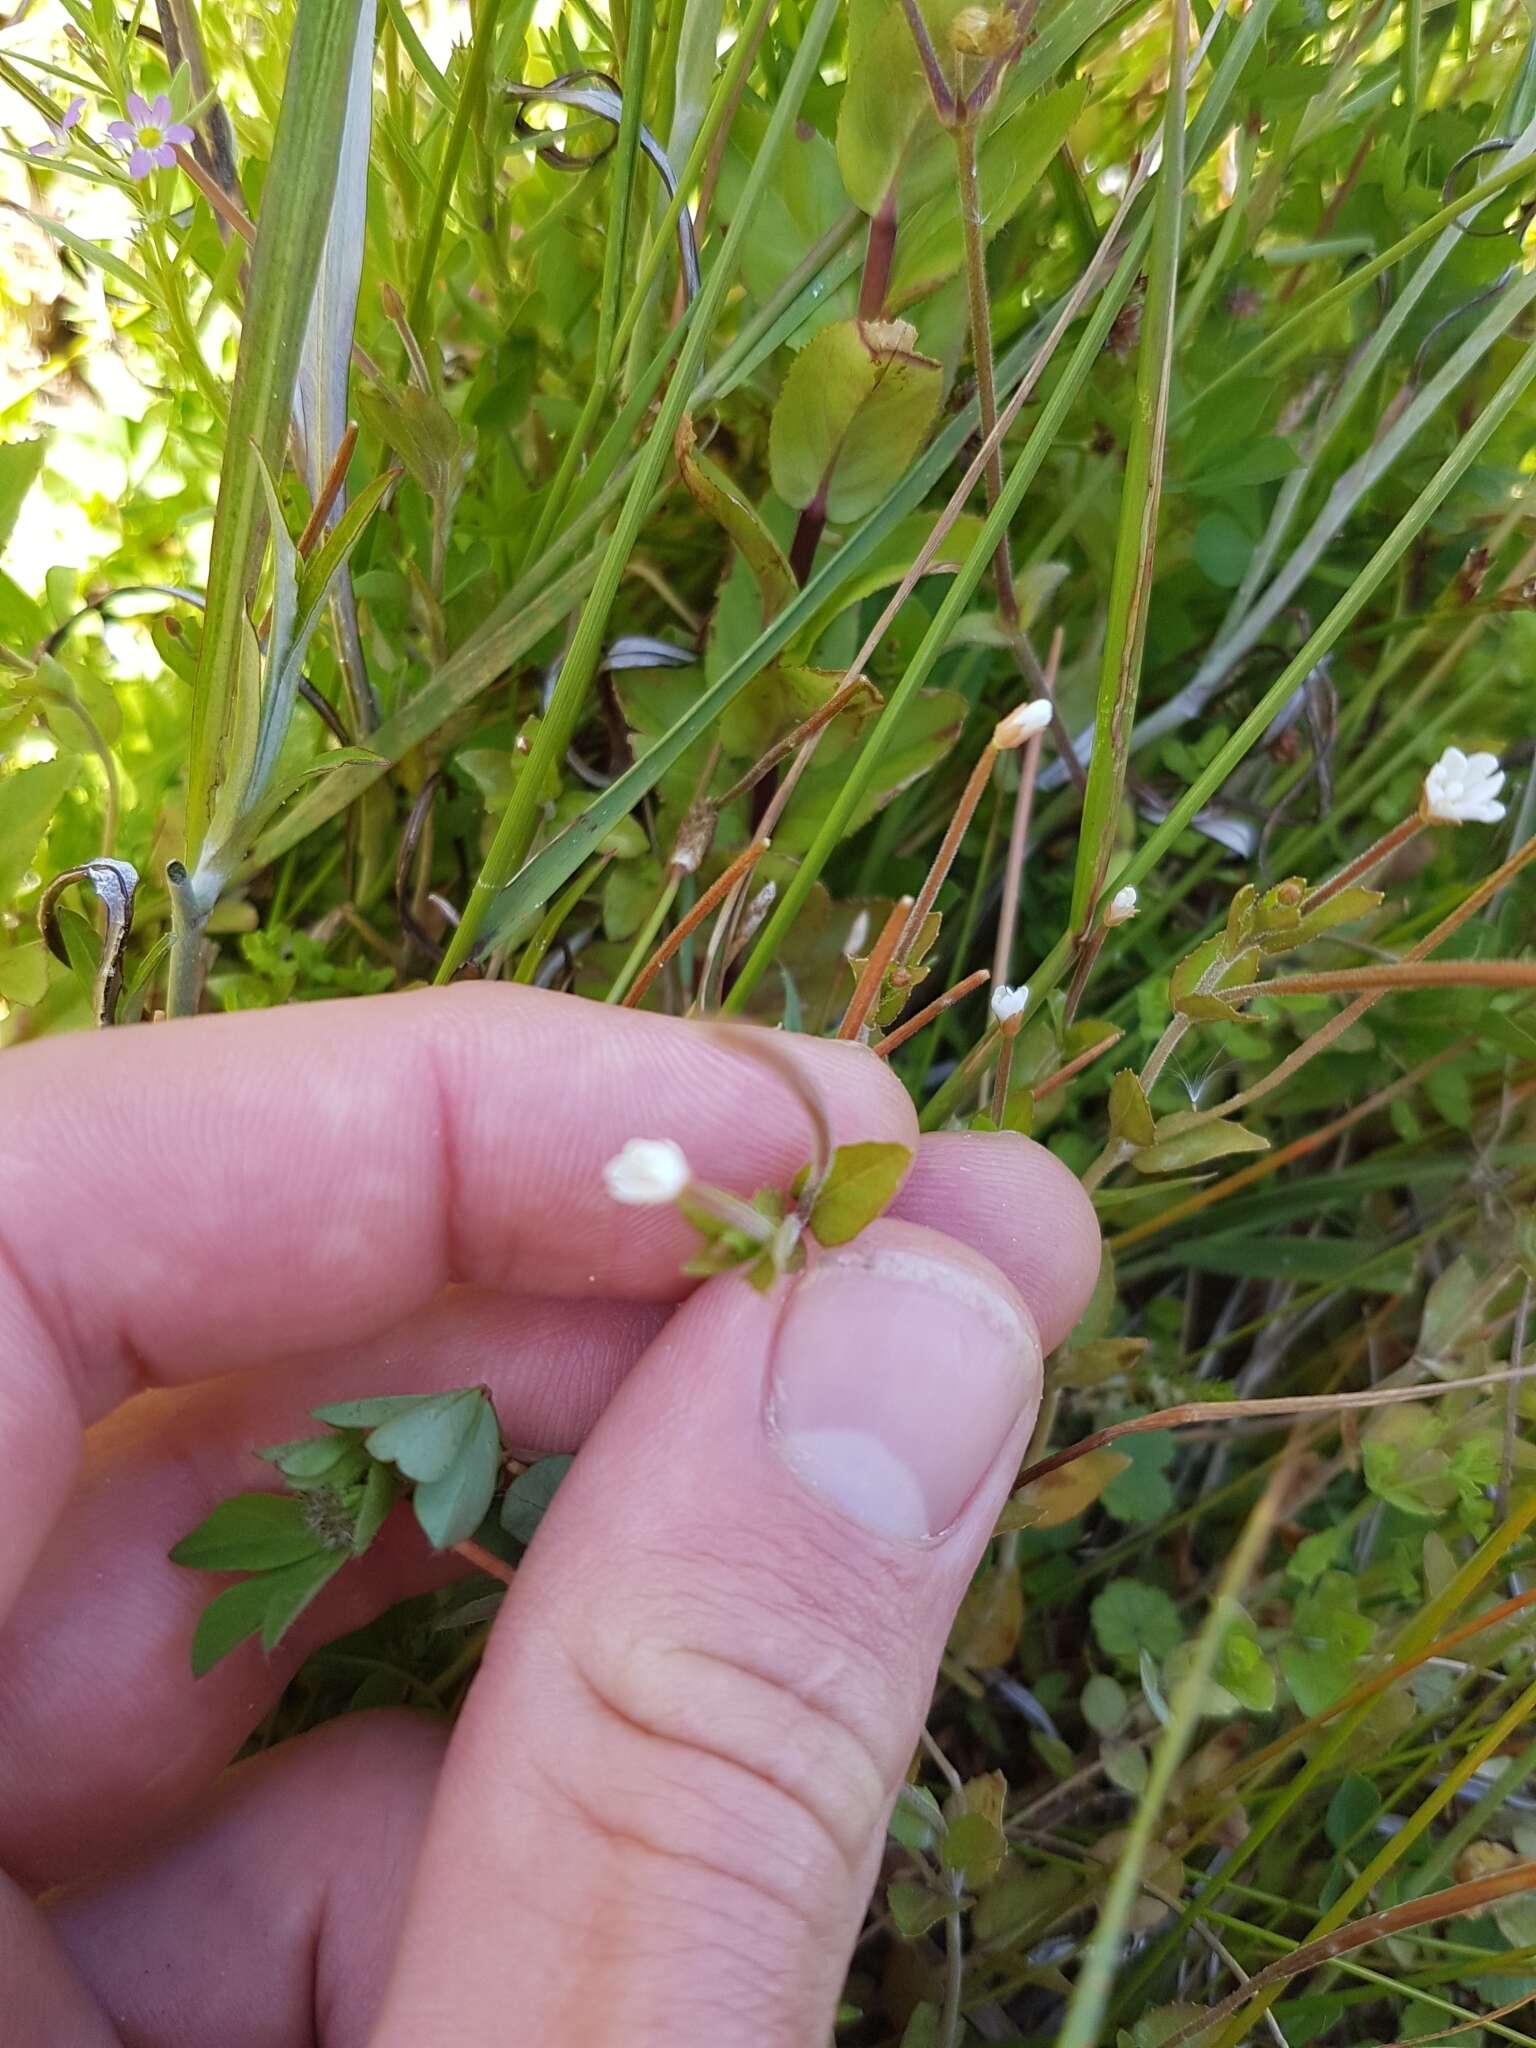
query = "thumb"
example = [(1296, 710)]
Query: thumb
[(664, 1807)]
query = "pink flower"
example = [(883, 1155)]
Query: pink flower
[(152, 133), (58, 131)]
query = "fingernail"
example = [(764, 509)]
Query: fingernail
[(897, 1379)]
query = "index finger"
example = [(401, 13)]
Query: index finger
[(195, 1198)]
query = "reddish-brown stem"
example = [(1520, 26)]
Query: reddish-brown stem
[(1074, 1067), (1018, 832), (808, 532), (866, 993), (1087, 953), (718, 889), (949, 846), (1361, 865), (225, 207), (879, 254), (1002, 1073), (894, 1040), (484, 1561), (928, 56), (329, 492), (1404, 974)]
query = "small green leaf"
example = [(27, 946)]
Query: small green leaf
[(860, 1185), (252, 1532), (265, 1604), (974, 1846), (379, 1495), (1130, 1114), (317, 1460), (1142, 1492), (1351, 1810), (1130, 1616), (291, 1590), (1182, 1144), (915, 1908), (916, 1821), (1104, 1703), (454, 1502)]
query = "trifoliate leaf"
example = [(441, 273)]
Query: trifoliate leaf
[(426, 1440)]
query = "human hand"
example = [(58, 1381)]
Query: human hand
[(661, 1812)]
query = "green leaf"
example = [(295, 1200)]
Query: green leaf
[(425, 1441), (974, 1846), (724, 503), (451, 1507), (1329, 1637), (20, 463), (24, 973), (295, 213), (291, 1590), (379, 1494), (527, 1499), (886, 97), (1142, 1493), (915, 1908), (861, 1184), (1351, 1810), (28, 799), (1130, 1114), (252, 1532), (1130, 1616), (852, 414), (1243, 1670), (1105, 1703), (266, 1604), (1183, 1143)]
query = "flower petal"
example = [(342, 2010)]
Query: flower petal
[(160, 110), (140, 164), (1453, 761), (43, 149), (164, 155), (179, 132), (138, 108), (73, 111), (121, 131), (1482, 764)]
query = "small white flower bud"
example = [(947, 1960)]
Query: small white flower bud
[(1008, 1003), (1463, 788), (1122, 906), (1021, 724), (647, 1173)]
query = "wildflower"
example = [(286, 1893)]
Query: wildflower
[(152, 132), (647, 1173), (1022, 724), (1008, 1003), (1462, 788), (1122, 906), (58, 131)]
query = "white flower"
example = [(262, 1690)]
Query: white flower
[(1122, 906), (1008, 1003), (1021, 724), (647, 1173), (1462, 787)]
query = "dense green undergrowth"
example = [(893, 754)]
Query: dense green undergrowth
[(527, 675)]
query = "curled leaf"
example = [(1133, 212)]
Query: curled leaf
[(115, 883)]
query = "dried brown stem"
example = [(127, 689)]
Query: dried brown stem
[(329, 492), (944, 859), (866, 993), (1402, 974), (718, 889), (894, 1040), (1075, 1066)]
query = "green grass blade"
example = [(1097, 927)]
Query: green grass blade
[(1141, 497), (519, 821), (295, 211)]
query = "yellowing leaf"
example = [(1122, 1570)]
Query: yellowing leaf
[(1130, 1114), (1059, 1496)]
